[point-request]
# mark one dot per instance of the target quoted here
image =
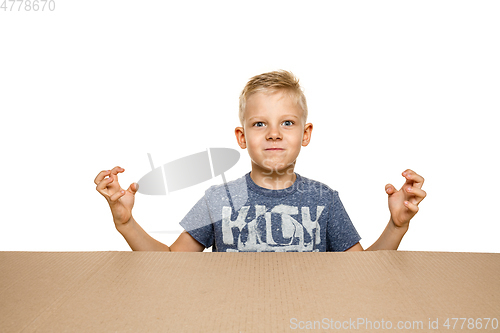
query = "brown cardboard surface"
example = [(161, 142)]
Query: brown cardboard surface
[(249, 292)]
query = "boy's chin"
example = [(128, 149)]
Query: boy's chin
[(277, 170)]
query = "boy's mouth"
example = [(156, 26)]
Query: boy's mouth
[(274, 149)]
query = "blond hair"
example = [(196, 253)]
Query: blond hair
[(273, 82)]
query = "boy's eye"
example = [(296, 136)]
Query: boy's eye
[(259, 124), (288, 123)]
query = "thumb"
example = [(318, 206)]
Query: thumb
[(389, 189), (133, 188)]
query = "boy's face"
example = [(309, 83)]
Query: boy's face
[(273, 131)]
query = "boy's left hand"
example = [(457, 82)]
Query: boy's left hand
[(403, 204)]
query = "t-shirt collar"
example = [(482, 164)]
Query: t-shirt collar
[(273, 193)]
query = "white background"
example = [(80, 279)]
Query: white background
[(390, 85)]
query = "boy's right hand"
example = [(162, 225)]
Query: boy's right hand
[(120, 201)]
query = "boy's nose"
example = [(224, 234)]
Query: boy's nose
[(273, 134)]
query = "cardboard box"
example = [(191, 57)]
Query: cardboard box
[(249, 292)]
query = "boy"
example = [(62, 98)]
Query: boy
[(271, 208)]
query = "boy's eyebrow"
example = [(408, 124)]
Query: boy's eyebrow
[(285, 115)]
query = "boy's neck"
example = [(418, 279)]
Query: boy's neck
[(273, 180)]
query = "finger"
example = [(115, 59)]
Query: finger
[(390, 189), (117, 170), (413, 177), (412, 207), (101, 176), (418, 194), (114, 198), (103, 184), (133, 188)]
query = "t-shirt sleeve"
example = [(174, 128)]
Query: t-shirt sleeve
[(198, 223), (341, 233)]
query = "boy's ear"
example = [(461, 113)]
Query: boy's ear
[(240, 137), (306, 138)]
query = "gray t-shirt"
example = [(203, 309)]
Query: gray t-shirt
[(242, 216)]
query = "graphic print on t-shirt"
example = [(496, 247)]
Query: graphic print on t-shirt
[(241, 216), (280, 228)]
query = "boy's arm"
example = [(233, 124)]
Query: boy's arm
[(140, 240), (389, 240), (403, 205)]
